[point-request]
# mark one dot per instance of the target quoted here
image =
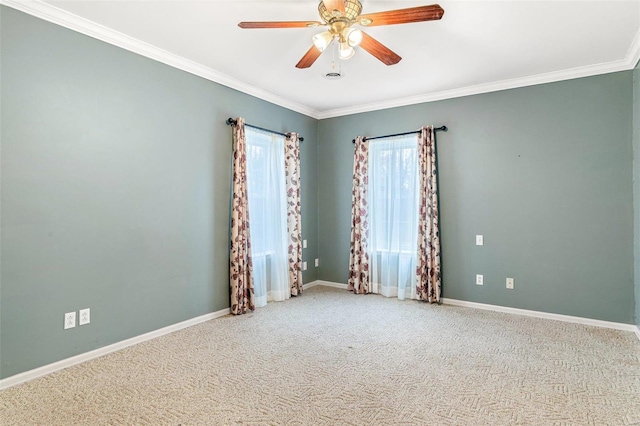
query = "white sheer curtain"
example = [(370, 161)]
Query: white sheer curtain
[(268, 215), (394, 193)]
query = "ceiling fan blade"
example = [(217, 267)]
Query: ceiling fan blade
[(332, 5), (402, 16), (379, 50), (282, 24), (309, 58)]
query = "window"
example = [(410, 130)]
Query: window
[(266, 189), (259, 148), (393, 195)]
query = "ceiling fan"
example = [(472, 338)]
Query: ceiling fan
[(339, 16)]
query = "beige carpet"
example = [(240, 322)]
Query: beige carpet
[(330, 357)]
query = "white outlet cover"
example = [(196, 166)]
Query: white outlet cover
[(84, 316), (510, 283), (304, 243), (479, 279), (69, 320), (479, 240), (304, 266), (317, 262)]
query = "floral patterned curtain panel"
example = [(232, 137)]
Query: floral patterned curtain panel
[(294, 222), (240, 267), (359, 274), (428, 279)]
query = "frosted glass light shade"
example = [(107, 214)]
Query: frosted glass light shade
[(345, 51), (322, 40), (354, 37)]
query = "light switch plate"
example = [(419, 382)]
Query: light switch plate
[(510, 283), (304, 243), (304, 266), (317, 262), (479, 240)]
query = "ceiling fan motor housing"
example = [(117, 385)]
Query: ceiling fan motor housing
[(352, 9)]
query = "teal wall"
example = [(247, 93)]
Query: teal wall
[(115, 176), (636, 185), (115, 191), (543, 172)]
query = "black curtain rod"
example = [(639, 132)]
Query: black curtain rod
[(436, 129), (232, 122)]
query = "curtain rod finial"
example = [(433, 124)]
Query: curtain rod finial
[(288, 136), (230, 121)]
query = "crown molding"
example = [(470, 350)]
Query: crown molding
[(84, 26), (622, 65), (629, 62), (633, 54), (58, 16)]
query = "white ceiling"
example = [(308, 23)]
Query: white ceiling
[(478, 46)]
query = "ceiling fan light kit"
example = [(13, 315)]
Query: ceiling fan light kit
[(345, 51), (339, 16), (354, 36), (323, 40)]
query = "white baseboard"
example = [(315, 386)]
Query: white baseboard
[(516, 311), (324, 283), (78, 359), (309, 285), (539, 314), (332, 284)]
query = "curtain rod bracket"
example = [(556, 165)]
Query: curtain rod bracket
[(435, 129), (231, 122)]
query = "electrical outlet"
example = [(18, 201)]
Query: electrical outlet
[(479, 240), (510, 283), (69, 320), (85, 316), (479, 279), (304, 266), (304, 243), (317, 262)]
